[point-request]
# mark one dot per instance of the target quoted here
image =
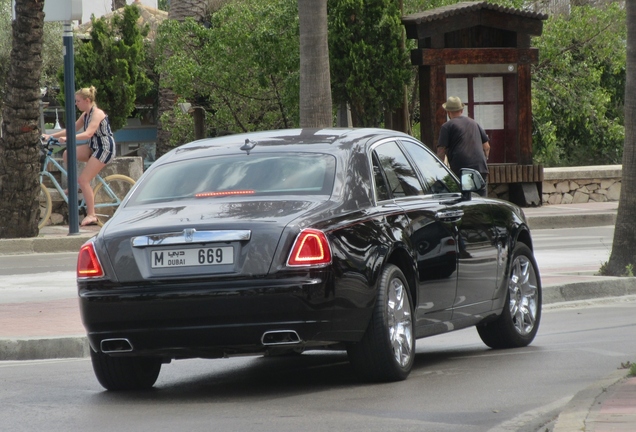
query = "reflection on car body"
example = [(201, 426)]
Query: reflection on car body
[(304, 239)]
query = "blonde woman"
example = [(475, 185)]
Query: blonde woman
[(99, 151)]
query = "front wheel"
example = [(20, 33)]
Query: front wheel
[(107, 199), (125, 373), (45, 206), (387, 349), (519, 322)]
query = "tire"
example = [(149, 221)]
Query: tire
[(519, 322), (105, 204), (387, 349), (125, 373), (45, 206)]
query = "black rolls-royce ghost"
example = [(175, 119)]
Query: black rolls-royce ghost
[(292, 240)]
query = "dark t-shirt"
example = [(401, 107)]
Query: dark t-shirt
[(463, 139)]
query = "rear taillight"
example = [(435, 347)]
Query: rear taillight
[(88, 265), (310, 248)]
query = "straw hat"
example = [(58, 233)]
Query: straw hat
[(453, 104)]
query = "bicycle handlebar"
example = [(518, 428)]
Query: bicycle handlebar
[(49, 142)]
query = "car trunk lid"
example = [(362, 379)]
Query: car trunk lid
[(202, 239)]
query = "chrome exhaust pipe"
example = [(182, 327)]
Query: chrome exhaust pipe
[(280, 337), (111, 346)]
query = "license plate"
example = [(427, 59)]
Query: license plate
[(192, 257)]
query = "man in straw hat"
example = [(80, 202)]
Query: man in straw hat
[(463, 141)]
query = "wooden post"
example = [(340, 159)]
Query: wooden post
[(524, 100), (198, 115)]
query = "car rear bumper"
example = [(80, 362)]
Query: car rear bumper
[(212, 319)]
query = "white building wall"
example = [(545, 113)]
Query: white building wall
[(102, 7)]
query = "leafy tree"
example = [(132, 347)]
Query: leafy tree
[(19, 156), (177, 11), (244, 66), (5, 43), (52, 55), (624, 244), (578, 87), (365, 38), (112, 61)]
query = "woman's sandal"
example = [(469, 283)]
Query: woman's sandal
[(89, 220)]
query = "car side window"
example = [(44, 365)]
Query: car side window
[(381, 187), (437, 178), (400, 175)]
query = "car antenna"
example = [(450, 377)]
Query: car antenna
[(248, 146)]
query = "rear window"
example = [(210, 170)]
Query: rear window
[(240, 175)]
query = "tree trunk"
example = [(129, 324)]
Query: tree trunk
[(179, 10), (624, 244), (19, 153), (315, 79)]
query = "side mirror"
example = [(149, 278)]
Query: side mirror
[(471, 181)]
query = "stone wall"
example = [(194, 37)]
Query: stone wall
[(573, 185)]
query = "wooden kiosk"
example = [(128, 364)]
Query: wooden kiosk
[(481, 52)]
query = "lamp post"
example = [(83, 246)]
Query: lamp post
[(71, 151), (67, 11)]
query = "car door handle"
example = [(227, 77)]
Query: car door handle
[(449, 215)]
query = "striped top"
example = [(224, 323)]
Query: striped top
[(103, 137)]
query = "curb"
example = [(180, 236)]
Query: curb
[(43, 244), (573, 416), (45, 348), (604, 288), (571, 221)]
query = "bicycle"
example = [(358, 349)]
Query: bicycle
[(109, 191)]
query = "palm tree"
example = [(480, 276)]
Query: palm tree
[(315, 81), (19, 157), (624, 245)]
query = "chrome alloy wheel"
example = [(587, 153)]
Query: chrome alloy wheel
[(400, 322), (523, 289)]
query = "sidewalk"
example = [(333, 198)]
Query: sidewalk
[(51, 239), (42, 329), (572, 215)]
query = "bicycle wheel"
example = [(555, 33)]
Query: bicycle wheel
[(107, 199), (45, 206)]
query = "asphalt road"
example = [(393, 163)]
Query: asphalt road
[(28, 264), (579, 250), (457, 385)]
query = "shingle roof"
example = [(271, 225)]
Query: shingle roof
[(465, 7)]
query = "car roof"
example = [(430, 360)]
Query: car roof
[(328, 140)]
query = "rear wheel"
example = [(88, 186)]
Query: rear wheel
[(125, 373), (519, 322), (45, 206), (106, 202), (387, 349)]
